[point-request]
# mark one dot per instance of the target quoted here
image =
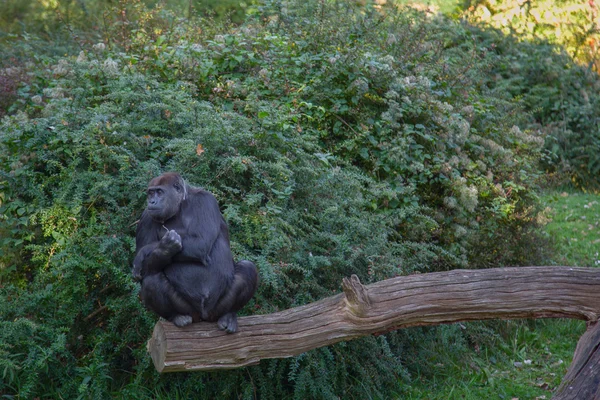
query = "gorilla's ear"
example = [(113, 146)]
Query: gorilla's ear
[(181, 186)]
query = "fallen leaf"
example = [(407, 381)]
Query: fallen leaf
[(199, 150)]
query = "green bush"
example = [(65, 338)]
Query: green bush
[(338, 140), (561, 97), (571, 24)]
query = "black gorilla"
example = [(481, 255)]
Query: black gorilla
[(183, 258)]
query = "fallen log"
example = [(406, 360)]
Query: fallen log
[(421, 299)]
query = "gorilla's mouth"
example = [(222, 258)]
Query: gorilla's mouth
[(155, 213)]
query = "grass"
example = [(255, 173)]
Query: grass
[(529, 358), (574, 228), (527, 361)]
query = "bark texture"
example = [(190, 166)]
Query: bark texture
[(582, 381), (421, 299)]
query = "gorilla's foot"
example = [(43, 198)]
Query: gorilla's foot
[(182, 320), (228, 322)]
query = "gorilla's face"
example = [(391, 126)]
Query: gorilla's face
[(165, 195)]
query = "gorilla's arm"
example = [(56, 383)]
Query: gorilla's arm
[(204, 224), (153, 256)]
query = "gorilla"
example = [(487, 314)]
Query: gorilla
[(183, 259)]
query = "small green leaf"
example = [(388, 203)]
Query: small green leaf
[(364, 153)]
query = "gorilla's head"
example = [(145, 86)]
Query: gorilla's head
[(165, 194)]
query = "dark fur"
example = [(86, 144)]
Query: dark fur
[(183, 258)]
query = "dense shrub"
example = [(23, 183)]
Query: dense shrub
[(561, 97), (338, 140), (554, 72)]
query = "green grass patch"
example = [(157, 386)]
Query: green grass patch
[(574, 228), (528, 361)]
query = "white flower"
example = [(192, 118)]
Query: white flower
[(11, 71), (459, 129), (391, 94), (99, 46), (420, 81), (37, 99), (468, 110), (55, 93), (516, 131), (21, 117), (460, 231), (110, 67), (388, 60), (196, 47), (450, 202), (81, 58), (62, 68), (361, 85), (492, 146), (468, 197)]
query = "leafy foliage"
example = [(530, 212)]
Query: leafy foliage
[(559, 86), (569, 23), (561, 98), (339, 139)]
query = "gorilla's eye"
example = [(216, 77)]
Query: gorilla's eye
[(177, 187)]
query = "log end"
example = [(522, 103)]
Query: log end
[(197, 347), (157, 346)]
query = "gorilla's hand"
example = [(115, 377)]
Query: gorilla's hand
[(170, 244), (137, 272)]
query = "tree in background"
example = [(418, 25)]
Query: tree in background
[(573, 24)]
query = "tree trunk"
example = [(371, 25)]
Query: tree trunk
[(421, 299), (582, 381)]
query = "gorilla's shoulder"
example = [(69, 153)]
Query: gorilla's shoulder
[(198, 197), (199, 193)]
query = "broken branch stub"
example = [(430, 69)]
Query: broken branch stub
[(356, 296)]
